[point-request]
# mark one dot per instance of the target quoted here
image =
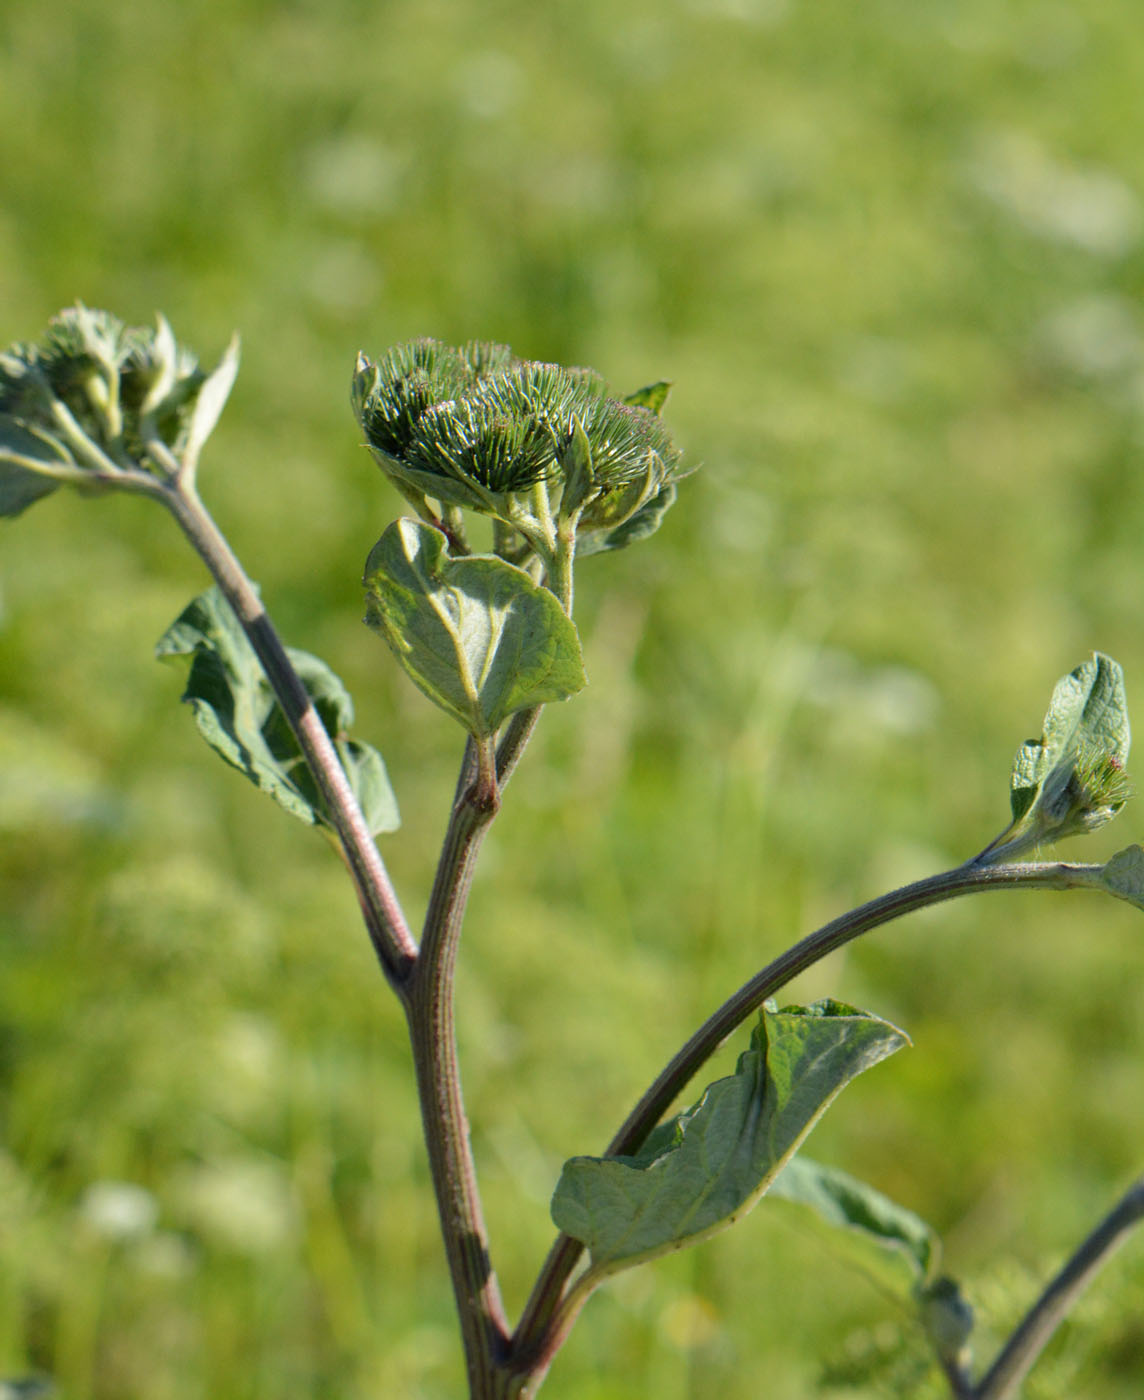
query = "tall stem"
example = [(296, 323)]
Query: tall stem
[(545, 1322), (432, 1029), (384, 919)]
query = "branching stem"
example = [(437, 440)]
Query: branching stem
[(546, 1318)]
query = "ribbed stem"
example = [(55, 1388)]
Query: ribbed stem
[(429, 1006)]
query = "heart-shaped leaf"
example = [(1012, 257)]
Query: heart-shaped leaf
[(702, 1170), (475, 634), (239, 716)]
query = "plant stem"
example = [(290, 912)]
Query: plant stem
[(562, 573), (1025, 1346), (432, 1030), (935, 889), (960, 1386), (422, 978), (519, 729), (542, 1327), (517, 733), (384, 919)]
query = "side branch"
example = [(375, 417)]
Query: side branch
[(542, 1326)]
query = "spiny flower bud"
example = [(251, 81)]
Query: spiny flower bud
[(478, 428), (1082, 794)]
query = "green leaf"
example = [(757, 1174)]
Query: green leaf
[(651, 396), (1071, 780), (701, 1171), (447, 490), (476, 634), (1123, 875), (890, 1243), (20, 481), (646, 521), (1087, 714), (239, 716), (210, 402)]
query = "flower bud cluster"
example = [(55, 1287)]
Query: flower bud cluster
[(477, 428), (92, 381)]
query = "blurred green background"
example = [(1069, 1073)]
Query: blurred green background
[(891, 254)]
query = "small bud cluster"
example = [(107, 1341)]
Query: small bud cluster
[(93, 378), (1082, 792), (528, 443)]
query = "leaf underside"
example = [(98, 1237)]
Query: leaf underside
[(238, 715)]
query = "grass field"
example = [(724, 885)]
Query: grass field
[(891, 256)]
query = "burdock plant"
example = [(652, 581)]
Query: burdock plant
[(560, 469)]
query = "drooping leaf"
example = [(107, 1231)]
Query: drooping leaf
[(702, 1170), (1123, 875), (890, 1243), (476, 634), (20, 450), (238, 715), (1087, 714)]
